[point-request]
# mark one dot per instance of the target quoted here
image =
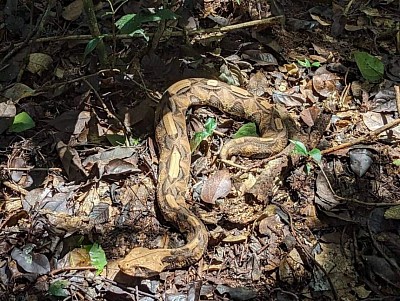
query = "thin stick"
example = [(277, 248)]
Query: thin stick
[(370, 136), (267, 21)]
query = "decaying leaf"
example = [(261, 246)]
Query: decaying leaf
[(39, 62), (310, 115), (325, 82), (324, 196), (72, 11), (291, 267), (71, 161), (143, 261), (31, 262), (374, 121), (19, 91), (217, 186), (258, 84), (360, 160)]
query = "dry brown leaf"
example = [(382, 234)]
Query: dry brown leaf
[(19, 91), (143, 261), (310, 115), (79, 258), (325, 82), (375, 120), (217, 186), (236, 238), (258, 84), (292, 267), (72, 11)]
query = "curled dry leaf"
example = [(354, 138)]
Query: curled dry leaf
[(217, 186), (325, 82)]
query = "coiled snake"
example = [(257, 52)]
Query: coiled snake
[(175, 157)]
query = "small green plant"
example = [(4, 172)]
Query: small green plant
[(396, 162), (97, 257), (301, 149), (307, 64), (130, 24), (209, 127)]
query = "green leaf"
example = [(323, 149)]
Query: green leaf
[(396, 162), (299, 148), (126, 24), (316, 64), (163, 14), (248, 129), (210, 125), (58, 288), (91, 45), (305, 64), (22, 122), (130, 23), (197, 138), (371, 68), (315, 153), (97, 257)]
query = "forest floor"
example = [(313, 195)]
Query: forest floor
[(79, 87)]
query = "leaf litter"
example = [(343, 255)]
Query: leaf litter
[(78, 163)]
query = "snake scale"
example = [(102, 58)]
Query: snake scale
[(175, 158)]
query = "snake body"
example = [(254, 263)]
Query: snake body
[(175, 158)]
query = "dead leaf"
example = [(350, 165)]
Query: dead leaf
[(291, 267), (289, 100), (236, 293), (71, 122), (325, 82), (310, 115), (258, 84), (260, 58), (79, 257), (19, 91), (324, 196), (71, 161), (217, 186), (374, 121), (236, 238), (39, 62), (31, 262), (143, 261), (72, 11)]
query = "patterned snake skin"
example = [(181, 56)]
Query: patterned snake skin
[(175, 157)]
